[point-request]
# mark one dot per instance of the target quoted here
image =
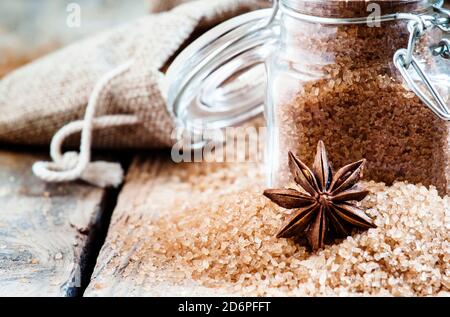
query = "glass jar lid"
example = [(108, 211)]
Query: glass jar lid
[(220, 79)]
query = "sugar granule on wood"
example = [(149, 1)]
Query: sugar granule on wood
[(229, 243)]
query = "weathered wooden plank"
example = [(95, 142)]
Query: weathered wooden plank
[(154, 185), (44, 230)]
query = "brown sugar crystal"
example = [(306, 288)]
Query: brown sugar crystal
[(342, 87)]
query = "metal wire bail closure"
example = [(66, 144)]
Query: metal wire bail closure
[(404, 59)]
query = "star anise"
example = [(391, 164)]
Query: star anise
[(326, 208)]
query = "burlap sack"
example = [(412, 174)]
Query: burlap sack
[(125, 66), (164, 5)]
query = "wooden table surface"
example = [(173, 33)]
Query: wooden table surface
[(46, 231), (50, 234), (60, 239)]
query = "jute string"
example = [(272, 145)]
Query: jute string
[(71, 166)]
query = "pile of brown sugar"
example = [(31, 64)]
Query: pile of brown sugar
[(227, 243)]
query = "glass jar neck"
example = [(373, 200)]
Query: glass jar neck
[(355, 8)]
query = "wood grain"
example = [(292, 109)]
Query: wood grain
[(155, 186), (43, 230)]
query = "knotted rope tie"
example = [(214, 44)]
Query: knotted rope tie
[(71, 166)]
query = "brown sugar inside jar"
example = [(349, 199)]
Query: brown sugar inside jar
[(330, 75), (338, 83)]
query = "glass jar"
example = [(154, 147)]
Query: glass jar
[(370, 79)]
